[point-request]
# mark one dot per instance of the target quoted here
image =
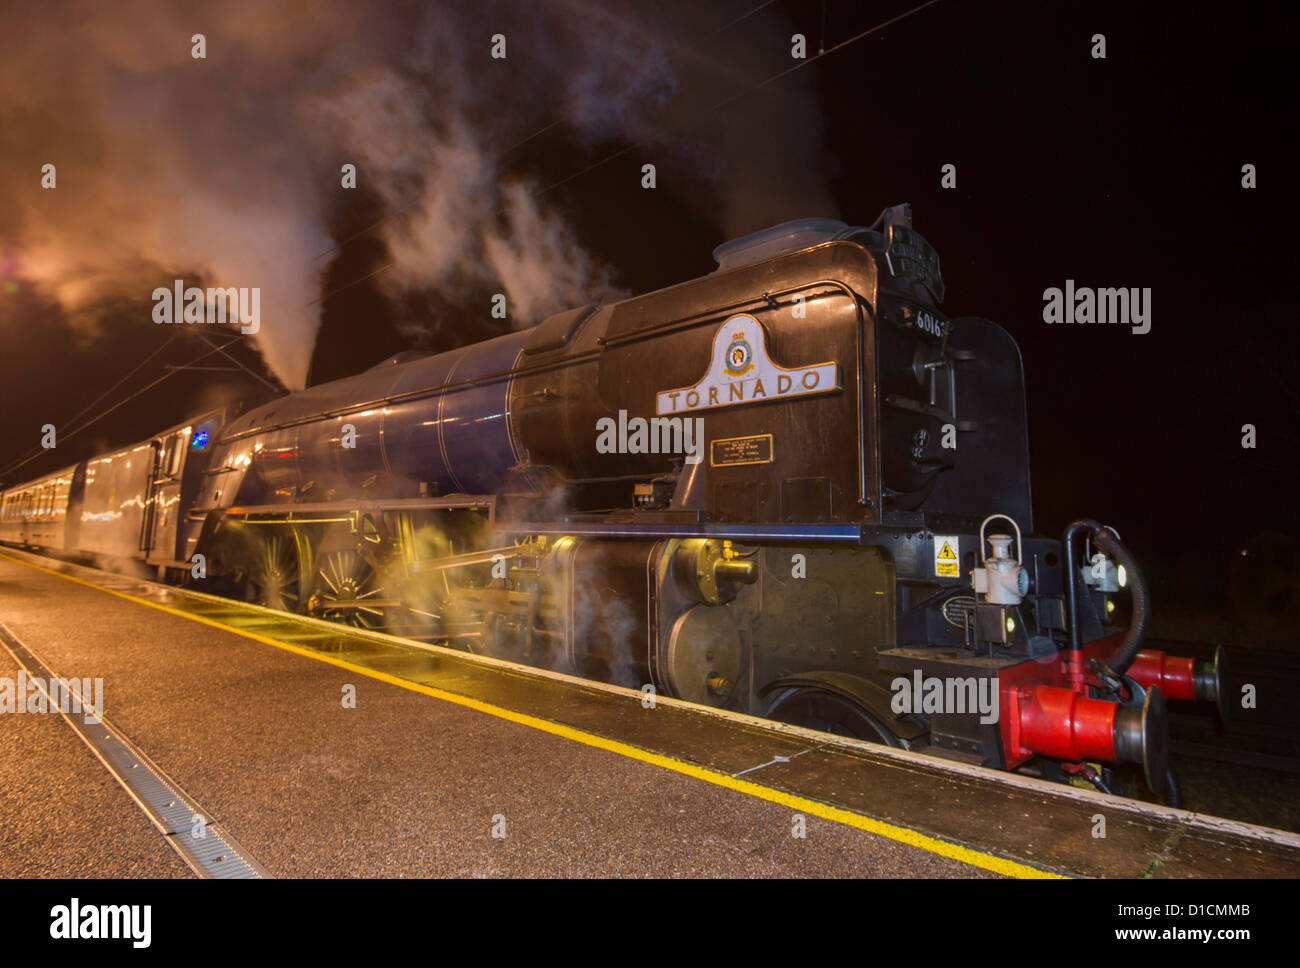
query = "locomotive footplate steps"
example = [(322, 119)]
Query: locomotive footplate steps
[(398, 785)]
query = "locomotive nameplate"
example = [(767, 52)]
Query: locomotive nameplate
[(740, 372), (735, 451)]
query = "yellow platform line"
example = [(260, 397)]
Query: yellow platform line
[(944, 848)]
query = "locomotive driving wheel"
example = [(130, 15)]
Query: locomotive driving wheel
[(347, 588), (275, 574), (829, 712)]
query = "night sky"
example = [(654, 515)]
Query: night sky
[(1117, 172)]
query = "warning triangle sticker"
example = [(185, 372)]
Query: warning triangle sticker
[(946, 553)]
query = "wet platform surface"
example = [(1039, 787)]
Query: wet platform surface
[(454, 765)]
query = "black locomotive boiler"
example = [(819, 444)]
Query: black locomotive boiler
[(793, 487)]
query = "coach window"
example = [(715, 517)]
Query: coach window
[(169, 465), (178, 455)]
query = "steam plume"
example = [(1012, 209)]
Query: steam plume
[(225, 170)]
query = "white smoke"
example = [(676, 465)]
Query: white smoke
[(225, 171), (455, 219)]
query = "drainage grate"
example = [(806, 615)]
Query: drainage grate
[(187, 827)]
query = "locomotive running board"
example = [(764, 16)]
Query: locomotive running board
[(735, 532)]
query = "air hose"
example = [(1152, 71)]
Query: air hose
[(1105, 540)]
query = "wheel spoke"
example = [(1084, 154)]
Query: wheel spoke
[(274, 580), (333, 587), (345, 582)]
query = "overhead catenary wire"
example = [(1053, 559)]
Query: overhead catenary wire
[(750, 90), (80, 413), (134, 370), (247, 369), (812, 60), (198, 359), (100, 416)]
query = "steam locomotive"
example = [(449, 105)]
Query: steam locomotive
[(793, 488)]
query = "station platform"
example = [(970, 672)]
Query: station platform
[(228, 747)]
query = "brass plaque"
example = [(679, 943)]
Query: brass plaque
[(734, 451)]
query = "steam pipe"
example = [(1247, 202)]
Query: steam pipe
[(1072, 575)]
